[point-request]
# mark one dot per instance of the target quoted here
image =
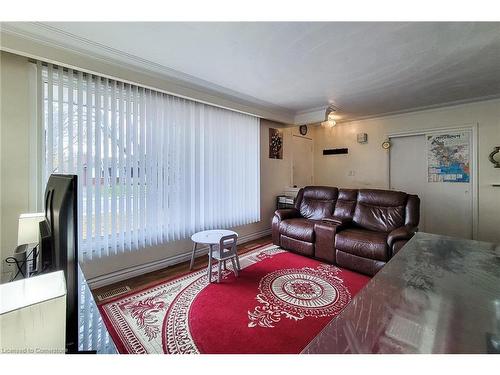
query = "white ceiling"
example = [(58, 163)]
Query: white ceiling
[(364, 69)]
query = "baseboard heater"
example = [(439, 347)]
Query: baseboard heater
[(336, 151)]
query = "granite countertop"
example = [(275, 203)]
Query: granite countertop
[(437, 295)]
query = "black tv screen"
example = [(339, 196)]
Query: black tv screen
[(59, 244)]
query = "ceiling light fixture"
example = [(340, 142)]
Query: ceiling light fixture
[(329, 117)]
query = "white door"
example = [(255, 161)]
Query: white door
[(302, 161), (446, 207)]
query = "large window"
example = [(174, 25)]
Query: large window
[(152, 167)]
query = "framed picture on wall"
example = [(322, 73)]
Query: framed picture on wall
[(275, 144)]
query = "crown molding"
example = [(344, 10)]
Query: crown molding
[(432, 107), (317, 115), (37, 40), (23, 36)]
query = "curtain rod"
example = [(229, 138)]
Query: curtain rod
[(100, 76)]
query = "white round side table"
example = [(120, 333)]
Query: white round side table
[(208, 237)]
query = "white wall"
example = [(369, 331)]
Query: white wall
[(370, 162), (15, 119)]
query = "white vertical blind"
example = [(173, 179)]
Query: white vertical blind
[(152, 167)]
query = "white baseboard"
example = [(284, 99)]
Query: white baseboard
[(127, 273)]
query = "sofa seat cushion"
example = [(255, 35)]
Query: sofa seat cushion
[(300, 229), (297, 246), (358, 264), (364, 243)]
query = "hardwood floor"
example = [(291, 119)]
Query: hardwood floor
[(139, 282)]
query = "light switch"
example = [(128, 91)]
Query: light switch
[(362, 138)]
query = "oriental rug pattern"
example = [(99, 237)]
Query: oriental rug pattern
[(279, 302)]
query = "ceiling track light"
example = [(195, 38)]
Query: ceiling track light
[(329, 117)]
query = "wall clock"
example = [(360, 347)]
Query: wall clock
[(386, 145), (495, 157), (303, 129)]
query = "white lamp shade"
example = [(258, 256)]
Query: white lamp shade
[(28, 229)]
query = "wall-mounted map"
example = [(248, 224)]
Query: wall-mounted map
[(448, 157)]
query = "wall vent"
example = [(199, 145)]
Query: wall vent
[(336, 151), (113, 293)]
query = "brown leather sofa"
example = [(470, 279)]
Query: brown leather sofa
[(355, 229)]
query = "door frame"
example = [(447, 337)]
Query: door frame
[(292, 158), (473, 128)]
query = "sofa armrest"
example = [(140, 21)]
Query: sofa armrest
[(340, 222), (400, 234), (287, 213)]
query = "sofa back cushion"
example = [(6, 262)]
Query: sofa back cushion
[(380, 210), (317, 202), (346, 203)]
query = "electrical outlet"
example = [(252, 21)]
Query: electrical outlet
[(351, 173)]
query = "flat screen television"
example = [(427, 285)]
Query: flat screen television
[(59, 245)]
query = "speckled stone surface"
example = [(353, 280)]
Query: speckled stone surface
[(437, 295)]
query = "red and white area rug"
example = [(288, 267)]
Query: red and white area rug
[(278, 304)]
